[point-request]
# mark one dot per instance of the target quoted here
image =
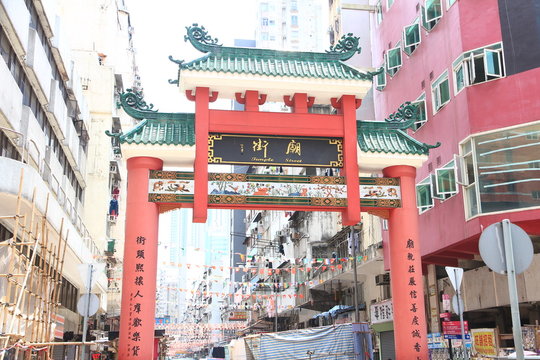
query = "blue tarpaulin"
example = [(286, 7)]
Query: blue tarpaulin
[(326, 342)]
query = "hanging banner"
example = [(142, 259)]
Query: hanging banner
[(279, 190), (275, 150)]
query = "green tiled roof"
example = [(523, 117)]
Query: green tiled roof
[(157, 128), (391, 141), (179, 130), (265, 62), (390, 136)]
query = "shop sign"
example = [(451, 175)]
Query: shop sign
[(382, 312), (275, 150), (485, 341), (454, 327), (238, 316)]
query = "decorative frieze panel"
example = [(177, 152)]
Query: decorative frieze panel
[(279, 190)]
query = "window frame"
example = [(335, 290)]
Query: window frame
[(452, 170), (425, 182), (389, 4), (406, 48), (449, 4), (466, 63), (393, 71), (418, 124), (436, 92), (379, 86), (378, 13), (428, 25)]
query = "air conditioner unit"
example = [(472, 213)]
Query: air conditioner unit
[(382, 279)]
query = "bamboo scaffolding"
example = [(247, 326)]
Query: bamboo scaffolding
[(32, 278)]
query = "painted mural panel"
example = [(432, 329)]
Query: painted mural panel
[(316, 191)]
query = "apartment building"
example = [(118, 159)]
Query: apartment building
[(59, 83), (472, 68)]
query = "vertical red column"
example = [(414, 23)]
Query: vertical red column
[(351, 216), (140, 264), (202, 120), (410, 330)]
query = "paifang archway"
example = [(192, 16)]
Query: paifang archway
[(253, 76)]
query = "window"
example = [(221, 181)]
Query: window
[(264, 7), (478, 66), (389, 4), (445, 184), (378, 12), (431, 14), (440, 92), (500, 170), (294, 5), (393, 60), (411, 38), (380, 79), (264, 36), (264, 21), (294, 20), (424, 201), (450, 3), (422, 112)]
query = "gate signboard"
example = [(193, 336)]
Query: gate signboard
[(275, 150)]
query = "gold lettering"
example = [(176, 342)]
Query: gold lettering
[(294, 148), (260, 145)]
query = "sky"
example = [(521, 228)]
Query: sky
[(160, 26)]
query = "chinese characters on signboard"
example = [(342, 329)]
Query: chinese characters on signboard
[(275, 150), (414, 294), (485, 341), (135, 321), (382, 312)]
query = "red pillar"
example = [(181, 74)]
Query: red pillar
[(410, 331), (200, 167), (140, 264), (351, 216)]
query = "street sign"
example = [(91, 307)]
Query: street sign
[(455, 275), (454, 327), (458, 308), (457, 337), (492, 249), (88, 304)]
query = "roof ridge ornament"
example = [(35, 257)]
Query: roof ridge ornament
[(346, 47), (406, 114), (199, 38), (135, 99)]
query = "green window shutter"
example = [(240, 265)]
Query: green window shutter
[(433, 10), (423, 197), (425, 24), (492, 63), (446, 179), (460, 80), (445, 91), (412, 35), (393, 58), (380, 80)]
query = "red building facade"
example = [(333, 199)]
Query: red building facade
[(473, 68)]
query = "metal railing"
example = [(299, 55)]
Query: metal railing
[(53, 184)]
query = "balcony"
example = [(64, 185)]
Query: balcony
[(10, 98), (40, 69), (20, 18)]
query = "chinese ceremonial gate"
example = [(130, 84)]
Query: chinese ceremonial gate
[(299, 138)]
